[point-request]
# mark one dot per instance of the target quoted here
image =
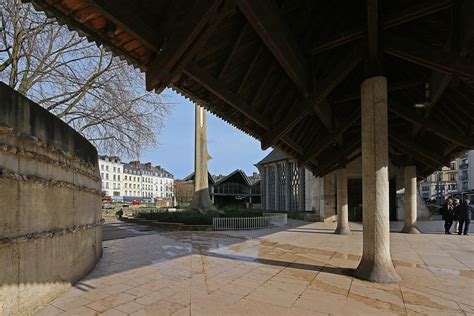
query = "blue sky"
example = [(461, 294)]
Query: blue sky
[(230, 148)]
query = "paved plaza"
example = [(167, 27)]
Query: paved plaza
[(302, 270)]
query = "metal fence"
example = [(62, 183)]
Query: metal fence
[(268, 220)]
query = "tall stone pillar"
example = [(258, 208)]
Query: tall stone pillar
[(376, 263), (342, 204), (410, 201), (201, 200)]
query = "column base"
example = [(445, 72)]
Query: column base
[(371, 271), (345, 230), (410, 230)]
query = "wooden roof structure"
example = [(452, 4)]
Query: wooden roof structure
[(289, 72)]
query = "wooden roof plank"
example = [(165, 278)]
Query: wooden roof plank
[(415, 12), (320, 93), (446, 133), (178, 35), (416, 52), (276, 35)]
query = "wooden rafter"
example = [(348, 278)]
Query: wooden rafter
[(179, 34), (236, 102), (127, 21), (320, 93), (249, 69), (405, 145), (433, 58), (233, 51), (320, 145), (391, 88), (446, 133), (405, 16), (276, 35), (374, 56)]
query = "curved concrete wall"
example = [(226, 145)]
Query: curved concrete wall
[(50, 219)]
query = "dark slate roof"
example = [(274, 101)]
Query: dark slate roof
[(191, 178), (274, 155), (236, 172)]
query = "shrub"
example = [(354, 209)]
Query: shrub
[(186, 217)]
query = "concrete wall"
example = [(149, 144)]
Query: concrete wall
[(50, 219)]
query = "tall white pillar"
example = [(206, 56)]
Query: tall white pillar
[(376, 263), (201, 200), (410, 201), (342, 204)]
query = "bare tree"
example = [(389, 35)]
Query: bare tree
[(100, 96)]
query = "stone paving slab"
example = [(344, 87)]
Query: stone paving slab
[(303, 270)]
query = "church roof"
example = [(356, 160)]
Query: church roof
[(274, 155)]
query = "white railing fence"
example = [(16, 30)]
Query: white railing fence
[(268, 220)]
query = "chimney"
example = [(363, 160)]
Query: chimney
[(148, 165), (135, 164)]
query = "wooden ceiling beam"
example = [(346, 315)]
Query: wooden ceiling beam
[(405, 16), (391, 88), (250, 69), (461, 19), (405, 145), (275, 33), (446, 133), (317, 98), (219, 90), (433, 58), (374, 57), (179, 33), (128, 21), (234, 49), (193, 71), (320, 146)]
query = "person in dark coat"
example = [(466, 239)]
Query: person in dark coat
[(456, 219), (464, 213), (448, 216)]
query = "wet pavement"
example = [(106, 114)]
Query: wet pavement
[(302, 270), (115, 229)]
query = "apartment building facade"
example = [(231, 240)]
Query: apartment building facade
[(134, 179), (457, 179)]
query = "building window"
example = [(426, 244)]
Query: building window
[(118, 177), (106, 168), (113, 177), (114, 169), (106, 185), (106, 176), (102, 167)]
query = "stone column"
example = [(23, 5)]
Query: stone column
[(201, 200), (342, 206), (410, 201), (376, 263)]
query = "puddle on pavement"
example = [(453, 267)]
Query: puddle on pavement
[(463, 273), (398, 263)]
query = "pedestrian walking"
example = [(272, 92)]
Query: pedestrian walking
[(448, 216), (464, 215), (456, 219)]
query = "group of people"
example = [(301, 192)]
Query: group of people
[(458, 214)]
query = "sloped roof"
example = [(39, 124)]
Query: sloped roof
[(274, 155), (236, 173), (300, 92), (191, 178)]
